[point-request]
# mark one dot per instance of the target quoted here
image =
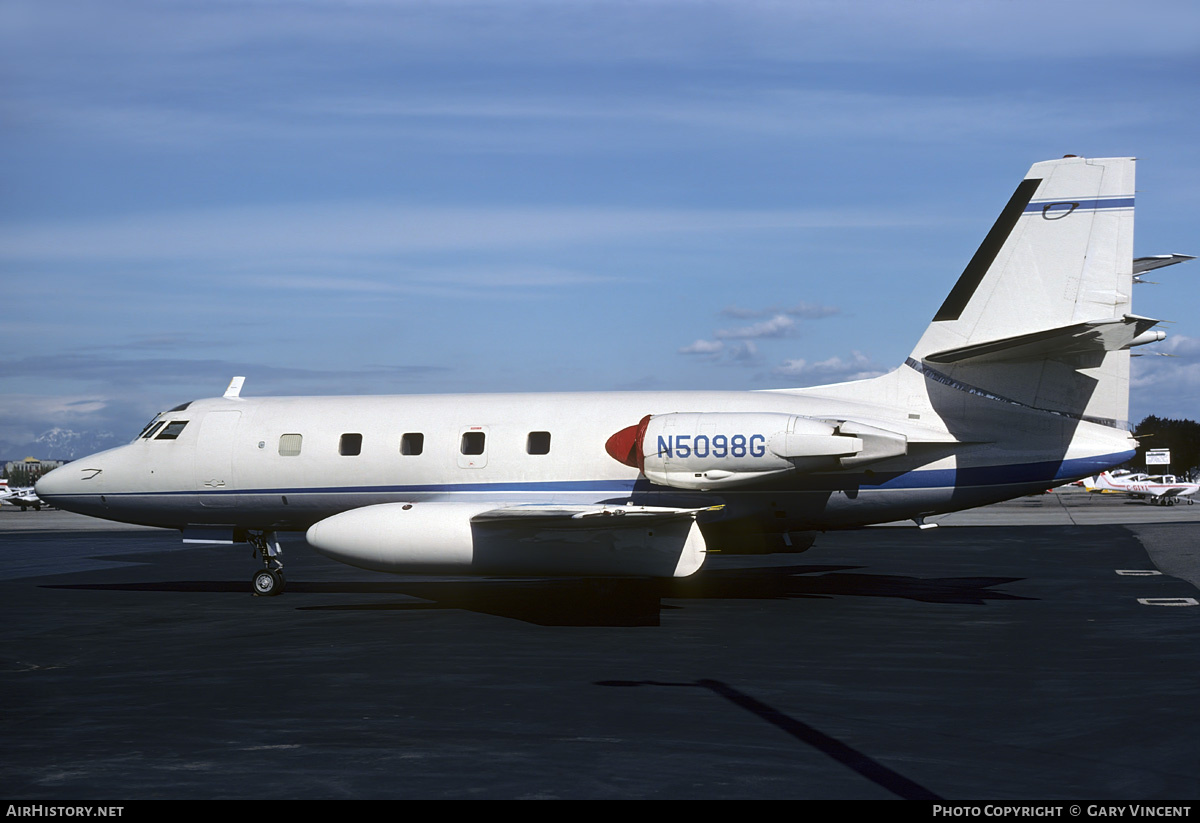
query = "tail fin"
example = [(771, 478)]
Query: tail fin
[(1041, 314)]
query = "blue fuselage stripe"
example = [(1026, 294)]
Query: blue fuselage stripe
[(1047, 472)]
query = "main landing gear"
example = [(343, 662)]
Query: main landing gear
[(268, 581)]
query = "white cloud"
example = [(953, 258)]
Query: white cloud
[(808, 311), (452, 281), (1179, 345), (744, 353), (1166, 386), (24, 416), (742, 314), (554, 122), (706, 347), (742, 350), (834, 369), (616, 32), (777, 326), (812, 311), (357, 229)]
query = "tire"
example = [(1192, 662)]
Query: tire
[(267, 583)]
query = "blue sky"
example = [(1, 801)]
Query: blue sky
[(412, 197)]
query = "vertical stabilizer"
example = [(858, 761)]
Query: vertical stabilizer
[(1041, 315)]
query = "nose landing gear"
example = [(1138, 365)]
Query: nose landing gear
[(268, 581)]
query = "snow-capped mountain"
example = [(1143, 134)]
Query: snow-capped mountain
[(60, 444)]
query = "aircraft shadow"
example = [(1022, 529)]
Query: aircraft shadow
[(848, 756), (609, 602), (829, 581)]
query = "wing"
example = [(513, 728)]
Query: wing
[(601, 515)]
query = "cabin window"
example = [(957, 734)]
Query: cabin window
[(172, 430), (289, 444), (412, 443), (538, 443), (350, 445), (472, 443)]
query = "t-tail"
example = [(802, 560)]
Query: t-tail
[(1041, 315), (1040, 319)]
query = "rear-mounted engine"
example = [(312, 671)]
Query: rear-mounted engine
[(713, 450)]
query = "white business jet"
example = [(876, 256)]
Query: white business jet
[(1020, 383)]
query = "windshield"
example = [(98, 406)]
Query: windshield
[(149, 428)]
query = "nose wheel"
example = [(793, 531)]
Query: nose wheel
[(268, 583), (269, 580)]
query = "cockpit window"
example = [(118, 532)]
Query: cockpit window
[(150, 429), (181, 406), (172, 430)]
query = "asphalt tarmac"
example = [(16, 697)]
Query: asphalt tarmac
[(1008, 654)]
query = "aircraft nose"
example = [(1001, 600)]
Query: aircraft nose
[(67, 481)]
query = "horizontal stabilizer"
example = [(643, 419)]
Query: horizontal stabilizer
[(1093, 337), (587, 516), (1141, 265)]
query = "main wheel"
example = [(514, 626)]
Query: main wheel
[(267, 583)]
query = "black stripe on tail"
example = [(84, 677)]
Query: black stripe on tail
[(973, 274)]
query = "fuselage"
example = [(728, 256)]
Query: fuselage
[(280, 464)]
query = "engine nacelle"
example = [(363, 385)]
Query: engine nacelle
[(714, 450)]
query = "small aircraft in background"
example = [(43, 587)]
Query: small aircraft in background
[(23, 496), (1161, 489)]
